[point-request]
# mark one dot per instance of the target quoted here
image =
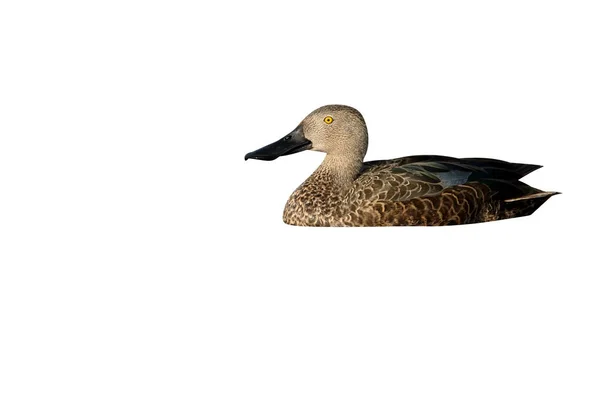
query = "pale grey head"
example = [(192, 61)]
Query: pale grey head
[(340, 131)]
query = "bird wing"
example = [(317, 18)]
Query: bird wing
[(425, 176)]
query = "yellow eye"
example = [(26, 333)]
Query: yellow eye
[(328, 120)]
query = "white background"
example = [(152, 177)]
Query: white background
[(142, 258)]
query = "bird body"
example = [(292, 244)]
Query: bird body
[(415, 190)]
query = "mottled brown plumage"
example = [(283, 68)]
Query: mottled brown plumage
[(416, 190)]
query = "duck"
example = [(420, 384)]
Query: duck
[(424, 190)]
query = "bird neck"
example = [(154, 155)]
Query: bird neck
[(341, 169)]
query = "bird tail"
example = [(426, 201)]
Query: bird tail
[(513, 199), (525, 205)]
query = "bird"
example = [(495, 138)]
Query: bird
[(425, 190)]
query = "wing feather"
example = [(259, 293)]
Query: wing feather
[(406, 178)]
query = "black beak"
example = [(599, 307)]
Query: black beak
[(294, 142)]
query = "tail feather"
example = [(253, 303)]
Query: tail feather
[(524, 205), (504, 190), (511, 199), (532, 196)]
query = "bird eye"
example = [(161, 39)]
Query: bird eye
[(328, 120)]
